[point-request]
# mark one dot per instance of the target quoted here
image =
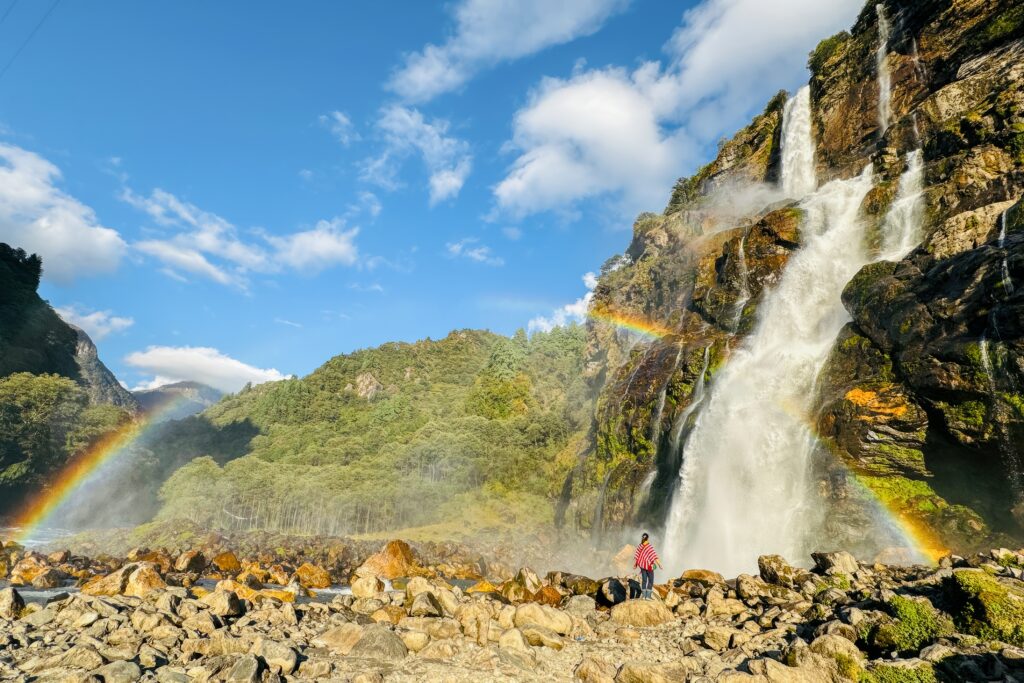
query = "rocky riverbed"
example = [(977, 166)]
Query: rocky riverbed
[(207, 615)]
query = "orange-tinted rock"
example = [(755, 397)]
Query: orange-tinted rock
[(277, 574), (249, 579), (227, 562), (311, 576), (157, 557), (483, 587), (548, 595), (143, 581), (394, 560), (191, 561), (703, 576), (136, 579), (25, 572), (59, 557)]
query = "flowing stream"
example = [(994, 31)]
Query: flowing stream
[(1005, 266), (884, 77), (901, 228)]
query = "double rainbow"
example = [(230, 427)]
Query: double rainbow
[(106, 450)]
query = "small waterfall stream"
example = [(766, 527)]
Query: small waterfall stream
[(1005, 265), (901, 228), (696, 399), (884, 77), (744, 274)]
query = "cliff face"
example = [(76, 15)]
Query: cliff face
[(919, 401), (99, 382)]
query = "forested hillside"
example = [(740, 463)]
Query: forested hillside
[(474, 431)]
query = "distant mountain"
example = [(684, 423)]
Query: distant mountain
[(181, 399), (99, 382)]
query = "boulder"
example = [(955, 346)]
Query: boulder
[(245, 670), (27, 569), (144, 581), (223, 603), (277, 656), (840, 562), (395, 560), (548, 595), (540, 636), (528, 579), (417, 585), (704, 577), (987, 606), (119, 672), (544, 616), (137, 579), (592, 669), (612, 591), (340, 639), (414, 640), (366, 586), (655, 672), (513, 639), (49, 578), (192, 561), (774, 569), (426, 605), (835, 647), (581, 605), (11, 604), (641, 613), (581, 585), (623, 560), (718, 637), (380, 642), (312, 576), (227, 562)]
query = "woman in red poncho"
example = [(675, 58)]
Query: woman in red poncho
[(646, 559)]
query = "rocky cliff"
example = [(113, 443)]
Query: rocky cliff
[(919, 403)]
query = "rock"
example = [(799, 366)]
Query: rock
[(368, 677), (119, 672), (612, 591), (340, 639), (652, 672), (379, 642), (27, 569), (641, 613), (623, 560), (528, 579), (544, 616), (417, 585), (11, 604), (134, 579), (540, 636), (703, 576), (835, 647), (278, 656), (143, 581), (391, 614), (395, 560), (837, 562), (581, 605), (483, 587), (513, 639), (425, 605), (191, 561), (414, 640), (548, 595), (245, 670), (592, 669), (718, 637), (720, 606), (774, 569), (987, 606), (227, 562), (311, 576), (440, 650), (366, 586), (49, 578), (581, 585), (79, 657), (223, 603)]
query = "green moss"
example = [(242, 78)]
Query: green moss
[(886, 673), (825, 50), (998, 29), (970, 414), (1016, 401), (987, 607), (907, 459), (849, 667), (917, 624)]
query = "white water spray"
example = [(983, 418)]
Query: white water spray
[(696, 398), (744, 275), (799, 177), (901, 228), (884, 77), (745, 485), (1005, 266)]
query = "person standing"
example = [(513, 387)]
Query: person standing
[(646, 559)]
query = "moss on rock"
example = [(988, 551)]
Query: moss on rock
[(889, 673), (987, 607), (917, 624)]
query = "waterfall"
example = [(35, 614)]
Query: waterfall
[(696, 398), (798, 168), (901, 228), (744, 293), (884, 77), (655, 427), (1005, 266), (745, 485), (1004, 440)]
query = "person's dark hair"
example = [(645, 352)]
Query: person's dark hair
[(644, 537)]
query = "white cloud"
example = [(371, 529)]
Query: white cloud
[(630, 134), (35, 215), (491, 31), (512, 233), (406, 131), (170, 364), (97, 324), (570, 313), (374, 287), (313, 250), (208, 245), (289, 323), (469, 248), (340, 126)]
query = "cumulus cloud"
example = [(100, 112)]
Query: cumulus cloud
[(630, 133), (491, 31), (470, 248), (340, 126), (168, 364), (205, 244), (97, 324), (570, 313), (406, 131), (37, 216)]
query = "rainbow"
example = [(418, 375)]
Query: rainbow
[(78, 470), (631, 323)]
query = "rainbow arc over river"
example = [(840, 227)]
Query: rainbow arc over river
[(106, 450), (631, 323)]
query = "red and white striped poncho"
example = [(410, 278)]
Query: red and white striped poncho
[(645, 557)]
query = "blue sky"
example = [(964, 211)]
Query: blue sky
[(237, 191)]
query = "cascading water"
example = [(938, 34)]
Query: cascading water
[(696, 399), (744, 276), (799, 177), (1005, 266), (901, 228), (745, 485), (884, 77)]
